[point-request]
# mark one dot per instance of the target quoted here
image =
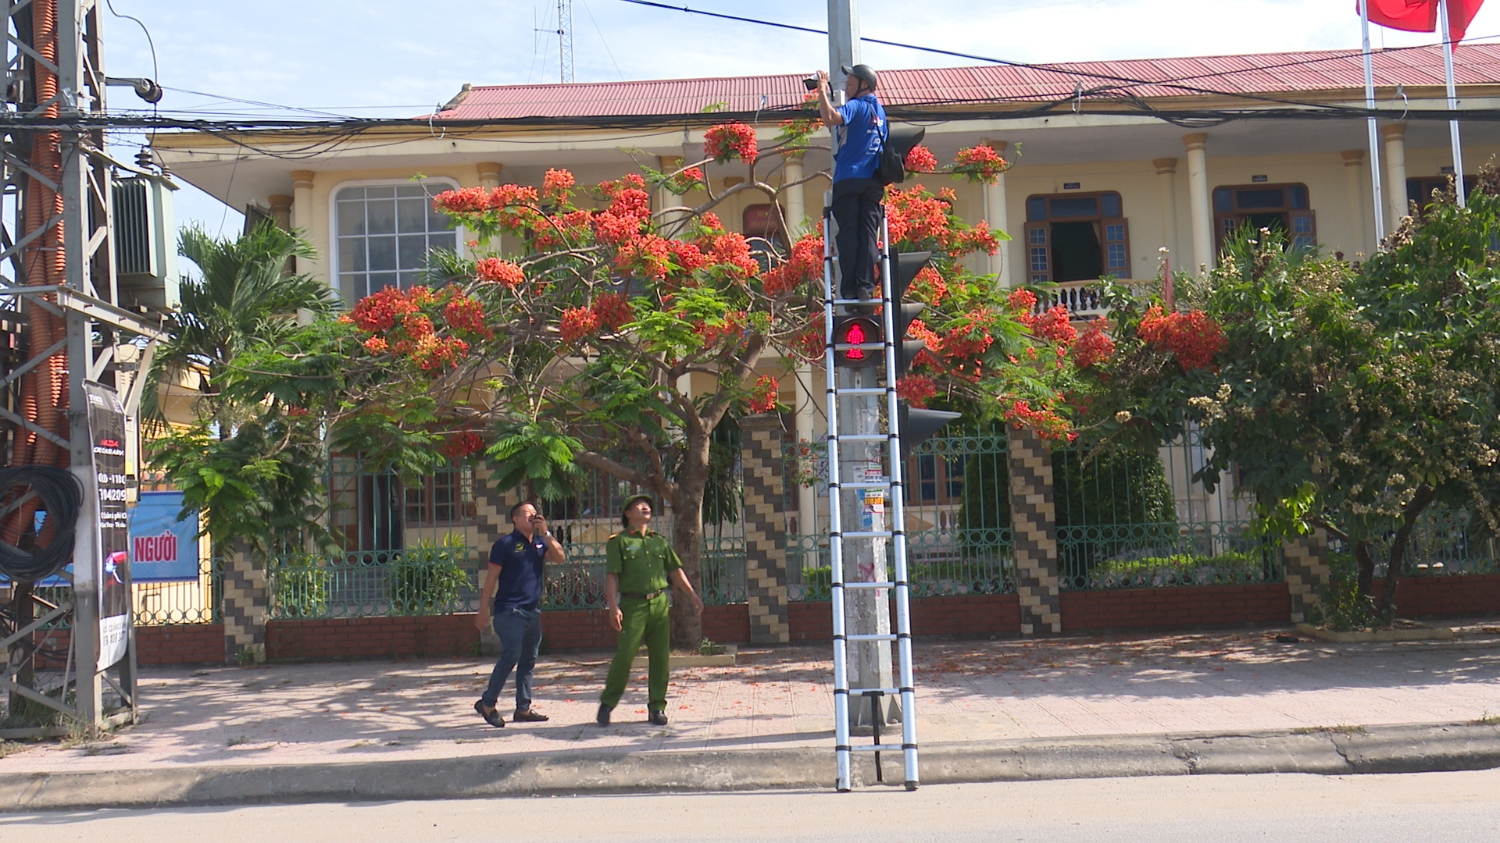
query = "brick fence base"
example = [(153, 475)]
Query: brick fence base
[(1164, 608)]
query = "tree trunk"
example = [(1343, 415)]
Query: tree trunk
[(687, 540), (1399, 544), (1365, 583)]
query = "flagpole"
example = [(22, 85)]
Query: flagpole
[(1364, 27), (1458, 156)]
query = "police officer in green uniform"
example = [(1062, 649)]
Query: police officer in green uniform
[(638, 564)]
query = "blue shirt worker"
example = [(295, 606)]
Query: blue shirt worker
[(861, 129), (638, 564), (512, 600)]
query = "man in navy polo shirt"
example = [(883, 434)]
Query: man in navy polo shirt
[(513, 588), (857, 191)]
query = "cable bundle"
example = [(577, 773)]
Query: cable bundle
[(61, 498)]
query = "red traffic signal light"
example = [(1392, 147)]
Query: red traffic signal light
[(857, 342)]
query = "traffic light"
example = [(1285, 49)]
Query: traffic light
[(849, 332), (904, 267), (917, 425)]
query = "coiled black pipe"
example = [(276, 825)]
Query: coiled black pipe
[(61, 498)]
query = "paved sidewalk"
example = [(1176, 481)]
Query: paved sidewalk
[(973, 696)]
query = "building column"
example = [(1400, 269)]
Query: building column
[(489, 174), (281, 210), (246, 604), (765, 529), (302, 220), (1202, 210), (1306, 571), (668, 224), (1395, 174), (796, 197), (1166, 172), (1359, 211), (489, 179), (995, 213), (1034, 533)]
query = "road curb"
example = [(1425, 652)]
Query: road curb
[(1345, 750)]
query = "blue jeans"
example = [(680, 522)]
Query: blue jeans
[(520, 632)]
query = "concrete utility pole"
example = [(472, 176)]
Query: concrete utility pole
[(843, 39), (868, 611)]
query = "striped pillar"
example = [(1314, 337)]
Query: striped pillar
[(246, 602), (1306, 571), (1034, 521), (765, 529)]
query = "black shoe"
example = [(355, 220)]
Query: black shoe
[(657, 718), (491, 715), (528, 716), (602, 718)]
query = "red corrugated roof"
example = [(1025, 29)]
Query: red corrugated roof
[(1264, 73)]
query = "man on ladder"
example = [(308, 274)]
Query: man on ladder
[(857, 189)]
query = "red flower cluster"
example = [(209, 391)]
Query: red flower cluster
[(378, 312), (1055, 324), (499, 271), (462, 444), (804, 264), (1022, 301), (577, 323), (980, 238), (1193, 337), (629, 209), (916, 390), (921, 160), (648, 255), (733, 325), (981, 162), (730, 140), (916, 217), (763, 395), (731, 250), (466, 315), (613, 310), (1094, 346), (929, 286), (434, 354), (557, 182), (477, 200), (810, 343), (1047, 423), (685, 180)]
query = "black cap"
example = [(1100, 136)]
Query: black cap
[(629, 502), (862, 72)]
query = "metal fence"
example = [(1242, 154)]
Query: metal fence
[(957, 516), (1144, 519), (1445, 542)]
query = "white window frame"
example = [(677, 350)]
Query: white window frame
[(335, 275)]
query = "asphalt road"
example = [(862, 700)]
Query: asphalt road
[(1431, 807)]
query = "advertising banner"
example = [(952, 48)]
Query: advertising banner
[(106, 418), (162, 548)]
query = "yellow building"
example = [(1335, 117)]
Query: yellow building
[(1117, 164)]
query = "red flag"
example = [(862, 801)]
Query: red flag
[(1421, 15)]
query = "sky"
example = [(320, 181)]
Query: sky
[(389, 59)]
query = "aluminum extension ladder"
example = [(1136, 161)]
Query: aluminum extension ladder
[(838, 539)]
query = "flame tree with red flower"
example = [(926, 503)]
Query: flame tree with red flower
[(575, 347)]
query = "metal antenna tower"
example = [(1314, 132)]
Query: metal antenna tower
[(67, 339), (565, 40)]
